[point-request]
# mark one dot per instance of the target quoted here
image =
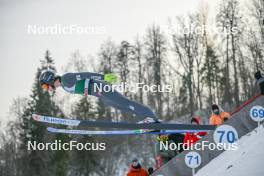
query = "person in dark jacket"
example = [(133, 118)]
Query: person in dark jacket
[(260, 81), (150, 170), (178, 139)]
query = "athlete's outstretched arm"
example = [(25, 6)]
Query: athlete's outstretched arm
[(108, 77), (70, 79), (84, 75)]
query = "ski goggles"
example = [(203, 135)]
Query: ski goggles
[(46, 87)]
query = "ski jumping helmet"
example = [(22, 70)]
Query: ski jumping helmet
[(46, 79)]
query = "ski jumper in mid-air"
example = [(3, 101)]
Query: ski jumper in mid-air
[(85, 83)]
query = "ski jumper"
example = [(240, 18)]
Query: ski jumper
[(87, 83)]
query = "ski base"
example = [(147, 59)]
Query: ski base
[(118, 132), (123, 125)]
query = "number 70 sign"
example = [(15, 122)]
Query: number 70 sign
[(225, 135)]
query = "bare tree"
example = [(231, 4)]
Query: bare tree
[(185, 47), (229, 19), (107, 56), (138, 58), (123, 59), (155, 45)]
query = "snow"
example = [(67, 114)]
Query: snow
[(246, 161)]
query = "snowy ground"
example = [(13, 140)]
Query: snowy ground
[(246, 161)]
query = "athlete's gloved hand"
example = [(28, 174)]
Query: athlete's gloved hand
[(110, 78)]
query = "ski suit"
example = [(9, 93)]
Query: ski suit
[(87, 83)]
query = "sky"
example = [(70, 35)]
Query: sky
[(21, 51)]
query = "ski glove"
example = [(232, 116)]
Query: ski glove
[(110, 78)]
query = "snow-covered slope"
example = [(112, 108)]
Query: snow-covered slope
[(248, 160)]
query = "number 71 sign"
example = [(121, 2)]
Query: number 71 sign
[(193, 160)]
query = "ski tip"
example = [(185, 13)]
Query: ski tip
[(36, 117), (50, 129)]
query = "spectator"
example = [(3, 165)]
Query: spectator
[(150, 170), (260, 81), (159, 162), (136, 169), (191, 138), (217, 117), (163, 154), (177, 138)]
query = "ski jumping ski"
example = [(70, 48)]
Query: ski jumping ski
[(120, 132), (120, 125)]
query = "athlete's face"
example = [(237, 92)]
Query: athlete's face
[(57, 83)]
